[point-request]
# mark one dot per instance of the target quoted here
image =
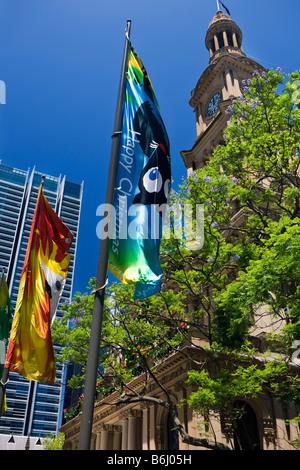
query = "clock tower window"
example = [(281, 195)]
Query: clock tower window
[(220, 40), (229, 38), (212, 46)]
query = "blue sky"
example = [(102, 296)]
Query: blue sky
[(61, 61)]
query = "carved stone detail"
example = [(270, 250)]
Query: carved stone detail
[(227, 427), (132, 413), (269, 428)]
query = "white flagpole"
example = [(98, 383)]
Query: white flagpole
[(218, 5)]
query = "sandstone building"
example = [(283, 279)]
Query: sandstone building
[(148, 426)]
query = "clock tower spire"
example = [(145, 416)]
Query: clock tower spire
[(223, 36), (220, 82)]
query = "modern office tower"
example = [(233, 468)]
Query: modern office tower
[(33, 408)]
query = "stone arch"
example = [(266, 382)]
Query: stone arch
[(166, 438), (161, 437), (248, 429), (265, 421)]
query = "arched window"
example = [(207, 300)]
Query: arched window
[(229, 38), (246, 436), (220, 40), (173, 441)]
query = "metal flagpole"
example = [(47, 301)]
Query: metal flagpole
[(5, 374), (96, 328), (218, 5), (3, 383), (2, 274)]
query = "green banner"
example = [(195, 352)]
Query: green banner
[(142, 186)]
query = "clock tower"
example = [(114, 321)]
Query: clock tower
[(220, 82)]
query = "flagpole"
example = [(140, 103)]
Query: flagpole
[(218, 5), (5, 374), (2, 274), (96, 328)]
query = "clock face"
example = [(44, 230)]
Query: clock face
[(213, 104)]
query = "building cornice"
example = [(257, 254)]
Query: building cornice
[(242, 63), (191, 155)]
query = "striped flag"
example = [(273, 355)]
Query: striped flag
[(30, 351)]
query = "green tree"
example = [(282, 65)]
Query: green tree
[(54, 442), (247, 268)]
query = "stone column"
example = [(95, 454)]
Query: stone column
[(280, 428), (200, 124), (235, 43), (145, 426), (93, 441), (229, 82), (104, 437), (134, 432), (152, 413), (131, 432), (98, 440), (117, 438), (217, 47), (124, 432), (294, 428), (236, 85), (225, 39), (191, 418)]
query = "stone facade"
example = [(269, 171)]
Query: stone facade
[(145, 425)]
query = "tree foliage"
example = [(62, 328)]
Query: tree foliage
[(54, 442), (247, 272)]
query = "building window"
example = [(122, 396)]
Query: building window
[(246, 435), (229, 38), (220, 40), (173, 441)]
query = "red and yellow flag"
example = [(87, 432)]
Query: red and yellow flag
[(30, 351)]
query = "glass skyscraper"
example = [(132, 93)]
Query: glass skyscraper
[(33, 408)]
